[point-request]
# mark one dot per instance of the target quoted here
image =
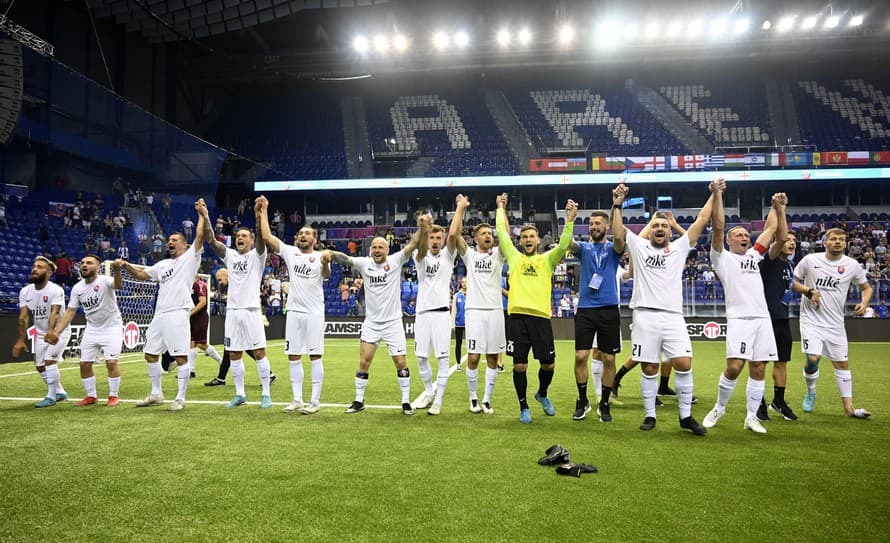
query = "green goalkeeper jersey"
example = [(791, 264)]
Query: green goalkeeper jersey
[(531, 277)]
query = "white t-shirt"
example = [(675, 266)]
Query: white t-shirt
[(742, 284), (40, 302), (99, 302), (306, 293), (245, 275), (658, 273), (382, 286), (434, 280), (832, 278), (275, 285), (175, 277), (483, 278)]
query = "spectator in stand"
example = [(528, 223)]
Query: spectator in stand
[(565, 306), (86, 215), (149, 200), (352, 247), (187, 227), (708, 277), (65, 269), (409, 308), (296, 220), (157, 247), (105, 247), (881, 310), (3, 216), (280, 225), (123, 252), (167, 202), (118, 224), (144, 250), (90, 245)]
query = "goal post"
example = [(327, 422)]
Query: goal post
[(136, 300)]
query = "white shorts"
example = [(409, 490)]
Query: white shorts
[(43, 351), (169, 332), (751, 339), (485, 331), (657, 333), (107, 341), (303, 334), (432, 334), (392, 332), (815, 340), (244, 330)]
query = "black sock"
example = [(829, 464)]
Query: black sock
[(582, 391), (224, 366), (545, 377), (664, 382), (607, 391), (778, 395), (520, 383), (622, 371)]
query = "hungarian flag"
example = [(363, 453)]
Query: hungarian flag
[(858, 158), (834, 158), (734, 161), (880, 157)]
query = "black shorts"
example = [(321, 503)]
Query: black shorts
[(198, 324), (782, 331), (526, 332), (602, 323)]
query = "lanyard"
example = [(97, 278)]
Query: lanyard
[(598, 256)]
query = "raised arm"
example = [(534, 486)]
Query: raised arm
[(704, 216), (326, 264), (781, 228), (619, 232), (201, 207), (672, 221), (717, 219), (261, 208), (455, 231), (137, 273), (341, 258), (565, 239), (769, 228), (420, 238), (218, 247), (116, 274), (500, 222)]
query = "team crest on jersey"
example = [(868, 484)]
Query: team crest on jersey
[(96, 288), (841, 269), (667, 250), (386, 267), (45, 299), (311, 259)]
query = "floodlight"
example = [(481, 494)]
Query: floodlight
[(785, 23), (525, 36), (607, 34), (503, 37), (400, 43), (694, 29), (674, 29), (719, 28), (653, 29), (381, 43), (856, 20), (440, 41), (360, 44), (810, 22), (832, 22), (565, 35), (741, 26), (461, 39), (631, 31), (767, 25)]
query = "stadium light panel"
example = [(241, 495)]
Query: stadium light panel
[(360, 44), (525, 36), (856, 20), (767, 25), (785, 23), (632, 31), (674, 29), (810, 22), (441, 41), (503, 37), (832, 22), (461, 39), (607, 35), (694, 29), (381, 43), (653, 30), (400, 43), (565, 35), (741, 26), (719, 28)]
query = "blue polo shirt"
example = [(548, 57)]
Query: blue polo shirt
[(600, 259)]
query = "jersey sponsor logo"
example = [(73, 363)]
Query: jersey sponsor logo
[(432, 270), (748, 265), (303, 270), (377, 279), (656, 261), (529, 270), (131, 335), (707, 330), (828, 282), (90, 303), (483, 265), (240, 267)]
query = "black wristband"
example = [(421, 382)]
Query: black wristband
[(616, 206), (810, 293)]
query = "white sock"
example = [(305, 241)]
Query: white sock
[(648, 390), (237, 369), (725, 390), (426, 373), (844, 380), (59, 388), (684, 386), (317, 380), (405, 385), (472, 380), (491, 375), (193, 355), (296, 380), (596, 368), (182, 379), (114, 385), (360, 385), (89, 385), (52, 381), (442, 379), (754, 391), (811, 379), (213, 354), (264, 369), (154, 374)]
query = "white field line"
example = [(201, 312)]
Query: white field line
[(201, 402)]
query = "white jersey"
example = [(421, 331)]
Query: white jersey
[(832, 279), (245, 275), (434, 280), (40, 302), (483, 278), (99, 303), (306, 292), (176, 277), (740, 276), (658, 273), (382, 287)]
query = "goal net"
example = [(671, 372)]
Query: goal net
[(136, 299)]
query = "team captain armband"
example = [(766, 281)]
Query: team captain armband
[(760, 248)]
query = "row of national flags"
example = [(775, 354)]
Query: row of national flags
[(739, 161)]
